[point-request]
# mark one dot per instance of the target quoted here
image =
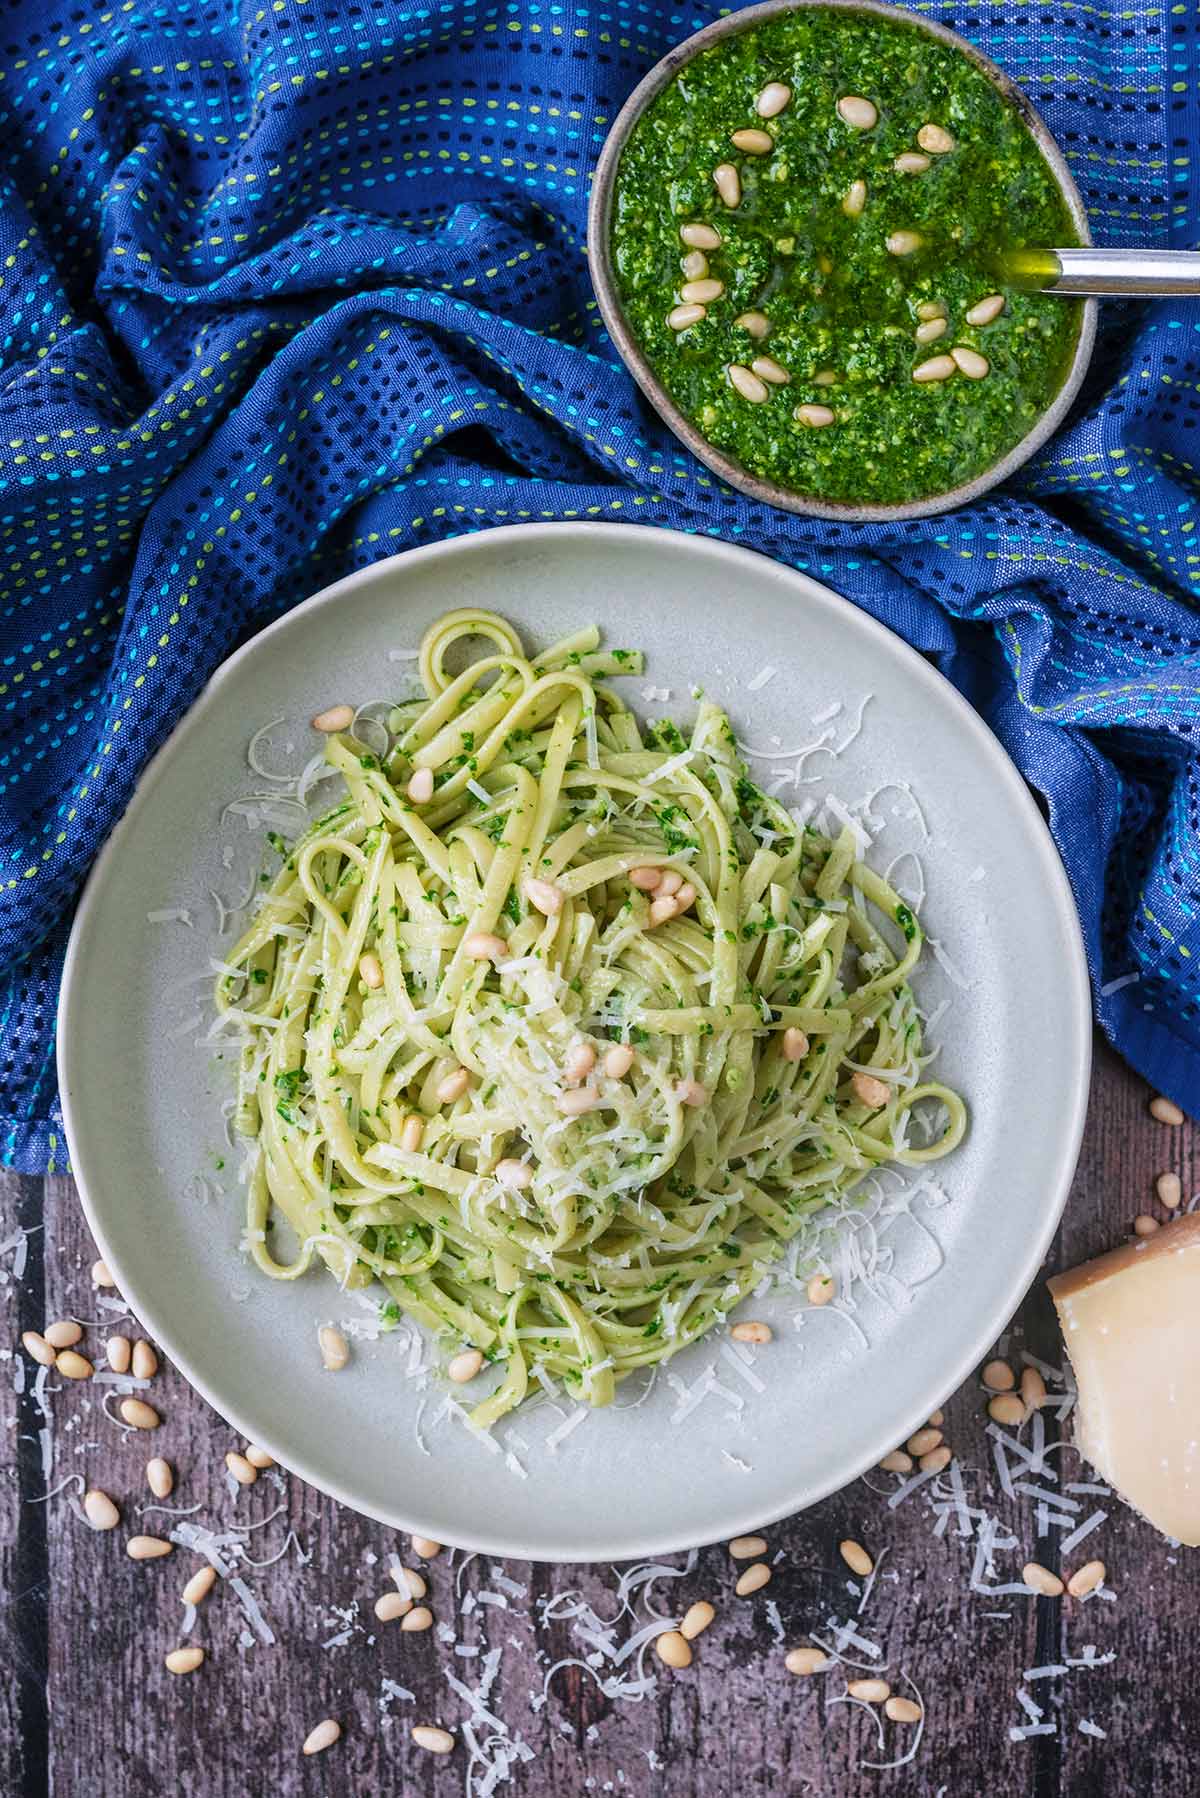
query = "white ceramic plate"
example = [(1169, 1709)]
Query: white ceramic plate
[(143, 1103)]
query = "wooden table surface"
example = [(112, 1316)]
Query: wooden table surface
[(88, 1710)]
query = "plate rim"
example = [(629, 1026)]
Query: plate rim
[(1076, 979)]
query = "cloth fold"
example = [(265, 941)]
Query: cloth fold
[(285, 290)]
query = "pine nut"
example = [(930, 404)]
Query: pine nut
[(101, 1275), (804, 1661), (680, 318), (159, 1477), (904, 243), (931, 330), (748, 385), (1040, 1579), (728, 184), (514, 1173), (199, 1586), (418, 1619), (756, 323), (870, 1691), (137, 1412), (184, 1660), (337, 717), (700, 236), (335, 1350), (1008, 1409), (465, 1366), (452, 1087), (326, 1733), (414, 1582), (972, 364), (483, 945), (145, 1361), (1086, 1578), (691, 1093), (869, 1091), (420, 787), (753, 142), (931, 309), (938, 368), (74, 1365), (118, 1352), (748, 1548), (815, 417), (753, 1580), (147, 1548), (922, 1441), (671, 882), (934, 139), (673, 1649), (544, 896), (370, 971), (663, 910), (820, 1289), (100, 1510), (902, 1710), (998, 1376), (897, 1462), (1144, 1225), (243, 1471), (1033, 1388), (936, 1419), (1169, 1188), (575, 1103), (751, 1332), (696, 1619), (702, 293), (411, 1134), (935, 1460), (854, 199), (795, 1044), (435, 1741), (647, 880), (856, 1557), (35, 1344), (685, 898), (984, 311), (390, 1605), (1166, 1111), (772, 100), (618, 1061), (694, 265), (859, 114), (911, 162), (579, 1061), (258, 1457), (426, 1547), (63, 1335), (825, 377), (767, 369)]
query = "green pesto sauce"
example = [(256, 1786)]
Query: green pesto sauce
[(836, 298)]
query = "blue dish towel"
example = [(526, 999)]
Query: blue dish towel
[(288, 286)]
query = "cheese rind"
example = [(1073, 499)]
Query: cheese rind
[(1131, 1320)]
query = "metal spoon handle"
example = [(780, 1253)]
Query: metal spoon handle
[(1103, 271)]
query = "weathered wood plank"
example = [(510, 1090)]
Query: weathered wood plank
[(734, 1721)]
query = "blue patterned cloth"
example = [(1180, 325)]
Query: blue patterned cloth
[(290, 286)]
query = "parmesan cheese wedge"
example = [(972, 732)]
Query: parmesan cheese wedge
[(1131, 1320)]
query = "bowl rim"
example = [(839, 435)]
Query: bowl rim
[(604, 282), (72, 1074)]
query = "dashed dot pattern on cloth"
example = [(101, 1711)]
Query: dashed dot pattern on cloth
[(287, 287)]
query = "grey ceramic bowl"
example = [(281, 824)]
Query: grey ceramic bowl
[(604, 280)]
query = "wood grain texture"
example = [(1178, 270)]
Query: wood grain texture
[(87, 1708)]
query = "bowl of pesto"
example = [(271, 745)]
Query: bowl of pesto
[(796, 233)]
